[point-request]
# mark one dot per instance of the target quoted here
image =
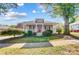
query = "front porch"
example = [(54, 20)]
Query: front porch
[(39, 28)]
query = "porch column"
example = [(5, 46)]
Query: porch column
[(35, 27), (27, 27), (23, 27), (54, 29), (43, 29)]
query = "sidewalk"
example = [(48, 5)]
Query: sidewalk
[(7, 37)]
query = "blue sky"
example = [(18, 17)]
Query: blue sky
[(27, 12)]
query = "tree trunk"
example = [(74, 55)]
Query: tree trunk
[(66, 26)]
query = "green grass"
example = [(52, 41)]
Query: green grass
[(57, 50), (30, 39), (31, 51)]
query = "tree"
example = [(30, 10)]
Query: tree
[(4, 7), (12, 26), (66, 10)]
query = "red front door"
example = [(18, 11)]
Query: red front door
[(39, 28)]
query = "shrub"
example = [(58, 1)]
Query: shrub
[(34, 33), (11, 32), (17, 32), (25, 34), (47, 33), (29, 33), (59, 31), (50, 31)]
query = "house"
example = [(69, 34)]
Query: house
[(3, 27), (38, 26), (74, 27)]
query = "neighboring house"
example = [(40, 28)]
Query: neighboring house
[(3, 27), (38, 26), (74, 27)]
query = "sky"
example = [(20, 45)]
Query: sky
[(27, 12)]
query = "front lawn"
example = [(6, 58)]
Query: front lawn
[(31, 39), (31, 51), (57, 50)]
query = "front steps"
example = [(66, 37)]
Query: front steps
[(39, 34)]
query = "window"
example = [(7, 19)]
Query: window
[(39, 28), (30, 27), (45, 27), (49, 27), (33, 26), (39, 21)]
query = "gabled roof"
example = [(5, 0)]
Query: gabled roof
[(34, 22)]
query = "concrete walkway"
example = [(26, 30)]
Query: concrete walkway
[(40, 44), (25, 45)]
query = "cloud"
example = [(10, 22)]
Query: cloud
[(43, 11), (23, 14), (33, 11), (10, 10), (40, 6), (20, 4), (13, 15), (8, 18)]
